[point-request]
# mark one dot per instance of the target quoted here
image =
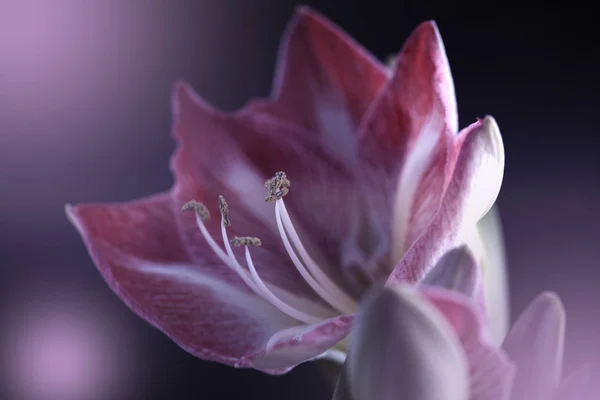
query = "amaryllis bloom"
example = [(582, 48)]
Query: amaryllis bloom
[(367, 182), (428, 343)]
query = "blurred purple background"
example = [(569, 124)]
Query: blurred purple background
[(85, 116)]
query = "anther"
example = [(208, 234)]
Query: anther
[(198, 208), (277, 187), (246, 241), (224, 208)]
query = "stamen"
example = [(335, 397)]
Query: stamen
[(283, 307), (199, 208), (246, 241), (202, 215), (224, 209), (251, 279), (277, 187), (241, 271), (315, 284), (255, 282)]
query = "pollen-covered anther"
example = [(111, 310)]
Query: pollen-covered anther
[(224, 209), (277, 187), (198, 208), (246, 241)]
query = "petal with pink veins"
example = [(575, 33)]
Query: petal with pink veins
[(204, 307), (404, 138), (474, 186)]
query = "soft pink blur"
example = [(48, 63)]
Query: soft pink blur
[(60, 344), (79, 80)]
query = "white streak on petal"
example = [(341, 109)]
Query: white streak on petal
[(417, 161), (248, 185)]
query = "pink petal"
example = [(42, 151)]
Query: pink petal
[(297, 344), (325, 81), (490, 369), (535, 344), (474, 186), (457, 270), (403, 348), (205, 308), (576, 386), (404, 140)]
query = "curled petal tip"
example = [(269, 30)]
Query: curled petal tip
[(490, 123), (487, 138), (491, 126)]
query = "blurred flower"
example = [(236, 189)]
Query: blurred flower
[(381, 186), (429, 343)]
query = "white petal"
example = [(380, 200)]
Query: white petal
[(492, 258), (402, 347)]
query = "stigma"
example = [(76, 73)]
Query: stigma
[(335, 300)]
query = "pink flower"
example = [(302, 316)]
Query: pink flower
[(380, 186), (429, 343)]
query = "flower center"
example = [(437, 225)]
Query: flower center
[(337, 300)]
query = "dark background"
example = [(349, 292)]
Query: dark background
[(85, 116)]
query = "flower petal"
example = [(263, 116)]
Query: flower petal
[(577, 385), (402, 347), (491, 372), (457, 270), (474, 186), (404, 140), (325, 81), (204, 308), (297, 344), (490, 245), (535, 343)]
